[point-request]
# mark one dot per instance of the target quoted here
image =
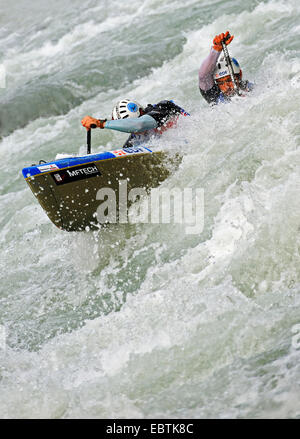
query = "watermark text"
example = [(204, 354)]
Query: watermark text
[(2, 337), (161, 206), (2, 76), (296, 337)]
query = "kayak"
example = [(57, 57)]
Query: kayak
[(68, 188)]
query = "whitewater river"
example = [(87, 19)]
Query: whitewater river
[(145, 320)]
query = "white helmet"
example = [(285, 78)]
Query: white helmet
[(222, 68), (126, 108)]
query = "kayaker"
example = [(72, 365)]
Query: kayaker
[(215, 81), (131, 117)]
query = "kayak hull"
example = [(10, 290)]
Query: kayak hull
[(67, 188)]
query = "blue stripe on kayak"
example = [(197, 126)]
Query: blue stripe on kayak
[(73, 161)]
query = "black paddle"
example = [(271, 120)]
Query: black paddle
[(229, 63), (88, 139)]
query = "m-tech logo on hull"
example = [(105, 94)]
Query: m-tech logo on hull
[(77, 173)]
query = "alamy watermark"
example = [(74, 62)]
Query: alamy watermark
[(2, 76), (162, 206), (296, 337), (2, 337)]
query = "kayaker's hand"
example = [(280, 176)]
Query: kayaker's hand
[(217, 42), (90, 122)]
